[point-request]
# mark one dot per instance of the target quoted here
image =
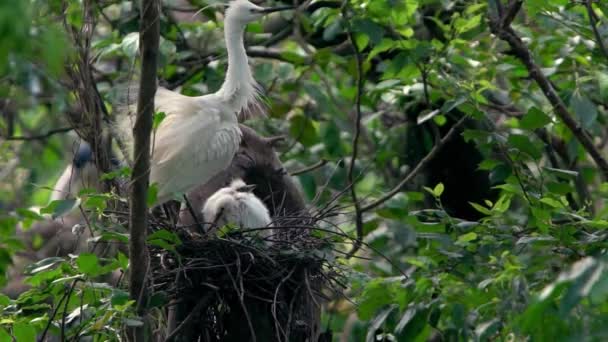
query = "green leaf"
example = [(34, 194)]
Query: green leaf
[(438, 190), (130, 45), (377, 322), (376, 294), (88, 263), (4, 300), (122, 172), (466, 238), (293, 57), (481, 208), (534, 119), (362, 40), (44, 264), (585, 110), (24, 332), (158, 119), (552, 202), (120, 297), (525, 145), (449, 105), (58, 208), (503, 204), (152, 194), (303, 130), (5, 336), (165, 235), (374, 31), (30, 214)]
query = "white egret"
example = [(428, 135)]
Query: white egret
[(200, 135), (236, 204), (81, 173)]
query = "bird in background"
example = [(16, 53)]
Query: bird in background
[(200, 135), (81, 173), (236, 204)]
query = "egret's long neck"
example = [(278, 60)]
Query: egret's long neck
[(239, 87)]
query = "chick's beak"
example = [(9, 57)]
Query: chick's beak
[(247, 188), (275, 9)]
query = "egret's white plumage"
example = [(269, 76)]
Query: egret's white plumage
[(236, 205), (200, 135)]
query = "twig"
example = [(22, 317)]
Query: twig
[(197, 308), (65, 308), (241, 299), (279, 330), (353, 160), (421, 165), (50, 321), (521, 51), (312, 167), (194, 216), (269, 53), (593, 22), (43, 136)]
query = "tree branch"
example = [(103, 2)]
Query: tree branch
[(270, 53), (138, 220), (421, 165), (593, 22), (43, 136), (521, 51), (306, 169), (512, 10), (355, 144)]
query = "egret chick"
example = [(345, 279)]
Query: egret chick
[(80, 174), (237, 205), (200, 135)]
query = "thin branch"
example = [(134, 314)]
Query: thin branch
[(355, 143), (138, 216), (43, 136), (593, 22), (270, 53), (312, 167), (65, 308), (512, 10), (521, 51), (421, 165), (50, 321)]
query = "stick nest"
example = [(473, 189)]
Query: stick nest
[(242, 285)]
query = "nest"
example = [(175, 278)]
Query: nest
[(243, 287)]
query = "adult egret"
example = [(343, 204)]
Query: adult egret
[(81, 173), (200, 135), (236, 204)]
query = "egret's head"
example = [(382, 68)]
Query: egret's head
[(83, 156), (243, 11)]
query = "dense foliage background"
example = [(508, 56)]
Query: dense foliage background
[(501, 236)]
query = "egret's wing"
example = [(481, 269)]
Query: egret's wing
[(255, 213), (179, 134), (190, 149), (167, 101)]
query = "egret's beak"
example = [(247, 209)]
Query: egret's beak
[(246, 188), (276, 9)]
